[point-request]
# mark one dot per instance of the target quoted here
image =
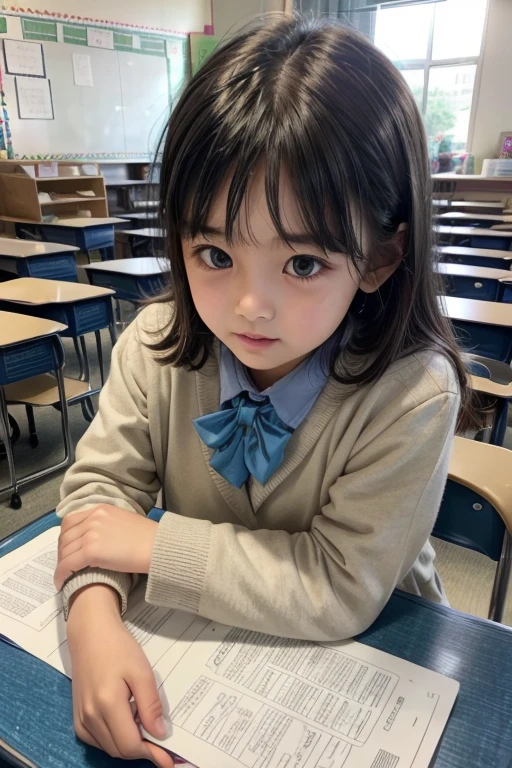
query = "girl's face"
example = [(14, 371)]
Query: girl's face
[(270, 303)]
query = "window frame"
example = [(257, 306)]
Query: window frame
[(428, 62)]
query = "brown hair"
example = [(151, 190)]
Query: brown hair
[(319, 100)]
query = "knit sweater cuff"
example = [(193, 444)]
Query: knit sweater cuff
[(121, 582), (178, 563)]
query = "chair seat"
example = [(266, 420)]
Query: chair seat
[(498, 372), (487, 470), (43, 390)]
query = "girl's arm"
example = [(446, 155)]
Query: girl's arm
[(331, 582), (114, 467)]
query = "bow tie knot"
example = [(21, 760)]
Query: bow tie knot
[(248, 438)]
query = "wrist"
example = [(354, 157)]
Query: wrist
[(91, 600)]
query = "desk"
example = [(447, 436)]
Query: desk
[(141, 219), (148, 241), (460, 217), (474, 651), (477, 206), (82, 308), (479, 257), (484, 326), (30, 348), (131, 279), (130, 194), (483, 283), (475, 237), (87, 234), (53, 261)]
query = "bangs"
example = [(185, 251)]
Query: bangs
[(247, 142)]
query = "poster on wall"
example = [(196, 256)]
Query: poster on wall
[(82, 70), (34, 97), (100, 38), (22, 58)]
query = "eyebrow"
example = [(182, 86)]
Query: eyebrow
[(297, 238)]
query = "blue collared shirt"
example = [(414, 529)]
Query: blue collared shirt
[(293, 396)]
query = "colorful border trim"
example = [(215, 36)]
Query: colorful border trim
[(93, 156), (56, 16)]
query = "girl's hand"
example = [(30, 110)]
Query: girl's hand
[(104, 537), (108, 667)]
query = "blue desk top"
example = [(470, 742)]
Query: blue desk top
[(35, 700)]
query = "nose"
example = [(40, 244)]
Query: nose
[(255, 302)]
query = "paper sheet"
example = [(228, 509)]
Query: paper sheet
[(243, 699), (100, 38), (24, 58), (34, 98), (82, 71)]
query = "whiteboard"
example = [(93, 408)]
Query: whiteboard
[(123, 112)]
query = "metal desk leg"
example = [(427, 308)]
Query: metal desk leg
[(34, 442), (81, 376), (69, 450), (499, 589), (99, 348), (83, 347), (87, 406), (112, 326), (4, 423)]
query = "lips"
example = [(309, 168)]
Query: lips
[(256, 337), (255, 341)]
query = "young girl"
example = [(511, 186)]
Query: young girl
[(294, 394)]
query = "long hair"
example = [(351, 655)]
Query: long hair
[(316, 99)]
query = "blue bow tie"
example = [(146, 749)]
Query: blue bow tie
[(249, 438)]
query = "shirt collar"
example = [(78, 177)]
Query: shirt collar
[(293, 396)]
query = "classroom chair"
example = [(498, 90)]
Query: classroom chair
[(476, 511), (470, 282), (31, 356), (81, 309), (477, 257), (474, 237), (482, 327), (492, 381)]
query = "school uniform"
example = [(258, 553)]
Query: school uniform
[(316, 550)]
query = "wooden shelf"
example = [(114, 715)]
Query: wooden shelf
[(64, 201), (65, 178), (19, 195), (129, 182)]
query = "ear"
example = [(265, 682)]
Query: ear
[(372, 280)]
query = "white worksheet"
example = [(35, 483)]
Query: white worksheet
[(34, 98), (240, 699)]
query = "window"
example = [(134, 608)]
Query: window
[(437, 46)]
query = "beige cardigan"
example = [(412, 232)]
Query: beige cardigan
[(317, 551)]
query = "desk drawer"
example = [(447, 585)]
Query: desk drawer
[(500, 243), (50, 268), (25, 360), (492, 341), (470, 288), (90, 316), (477, 261)]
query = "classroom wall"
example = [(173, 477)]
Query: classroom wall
[(230, 14), (178, 15), (493, 110)]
